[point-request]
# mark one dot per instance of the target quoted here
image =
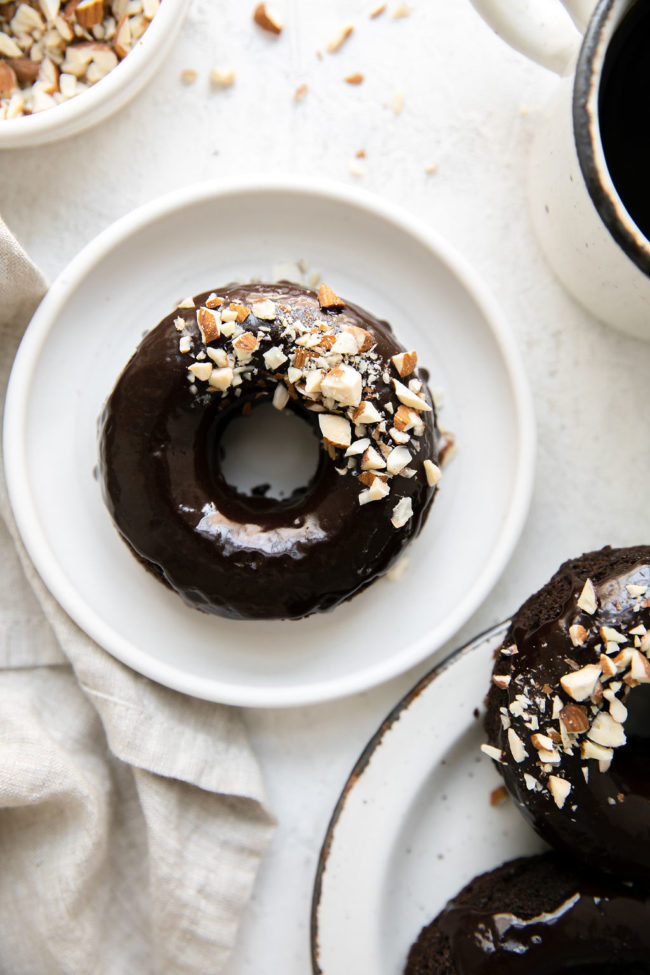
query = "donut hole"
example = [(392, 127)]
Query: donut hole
[(631, 766), (269, 453)]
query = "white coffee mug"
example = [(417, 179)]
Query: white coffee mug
[(589, 238)]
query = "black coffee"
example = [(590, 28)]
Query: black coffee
[(624, 109)]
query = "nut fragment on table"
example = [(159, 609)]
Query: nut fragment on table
[(267, 19), (52, 51)]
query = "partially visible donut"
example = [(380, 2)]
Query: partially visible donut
[(574, 661), (218, 356), (539, 915)]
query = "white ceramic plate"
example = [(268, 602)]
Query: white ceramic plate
[(414, 823), (121, 285)]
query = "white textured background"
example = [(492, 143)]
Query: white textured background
[(470, 107)]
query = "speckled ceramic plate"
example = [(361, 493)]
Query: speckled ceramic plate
[(414, 822), (121, 285)]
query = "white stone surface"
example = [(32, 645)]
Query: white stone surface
[(470, 106)]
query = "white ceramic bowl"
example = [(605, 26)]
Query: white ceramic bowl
[(122, 284), (106, 96)]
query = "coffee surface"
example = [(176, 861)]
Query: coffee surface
[(624, 111)]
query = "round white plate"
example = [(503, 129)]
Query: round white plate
[(119, 287), (414, 822)]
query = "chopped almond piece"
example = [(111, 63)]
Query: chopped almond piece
[(337, 42), (208, 325), (354, 79), (405, 363), (8, 80), (241, 311), (335, 429), (89, 13), (329, 299), (266, 20), (574, 718)]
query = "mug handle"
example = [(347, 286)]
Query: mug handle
[(541, 33)]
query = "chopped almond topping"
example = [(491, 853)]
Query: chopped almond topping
[(366, 412), (578, 635), (580, 684), (574, 718), (354, 79), (364, 340), (246, 342), (587, 600), (559, 789), (335, 429), (241, 311), (208, 325), (405, 363), (368, 477), (329, 299)]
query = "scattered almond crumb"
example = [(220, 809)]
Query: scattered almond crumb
[(524, 110), (266, 19), (431, 168), (337, 42), (398, 103), (401, 10), (361, 154), (188, 76), (301, 93), (377, 11), (356, 169), (222, 77), (498, 795), (354, 79)]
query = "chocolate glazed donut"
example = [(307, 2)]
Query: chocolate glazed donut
[(565, 718), (537, 916), (216, 357)]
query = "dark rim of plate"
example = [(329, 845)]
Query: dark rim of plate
[(364, 760)]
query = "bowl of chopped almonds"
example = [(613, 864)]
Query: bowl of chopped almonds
[(67, 64)]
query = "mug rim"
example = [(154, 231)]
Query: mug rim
[(586, 132)]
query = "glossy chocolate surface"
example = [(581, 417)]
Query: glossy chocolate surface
[(594, 932), (605, 817), (246, 557)]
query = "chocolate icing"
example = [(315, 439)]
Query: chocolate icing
[(605, 818), (594, 931), (246, 557), (538, 915)]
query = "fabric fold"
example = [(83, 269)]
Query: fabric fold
[(132, 817)]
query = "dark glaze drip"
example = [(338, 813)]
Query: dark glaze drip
[(605, 818), (589, 934), (246, 557)]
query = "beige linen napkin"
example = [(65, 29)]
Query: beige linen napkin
[(132, 818)]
